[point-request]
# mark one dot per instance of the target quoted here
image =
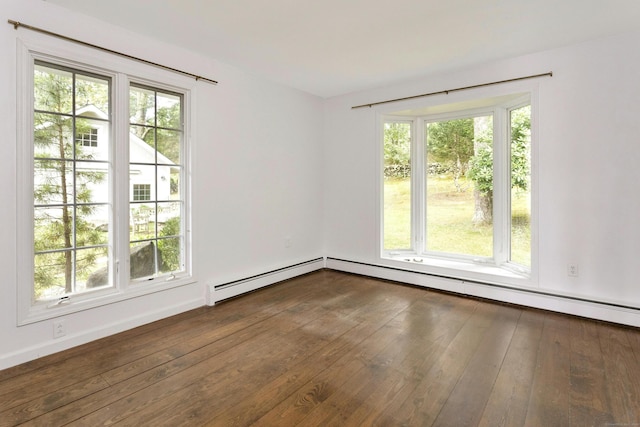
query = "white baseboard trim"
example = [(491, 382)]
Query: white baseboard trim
[(220, 292), (577, 306), (70, 341)]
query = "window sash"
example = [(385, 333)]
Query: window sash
[(74, 250), (155, 125)]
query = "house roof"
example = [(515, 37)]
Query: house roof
[(141, 148)]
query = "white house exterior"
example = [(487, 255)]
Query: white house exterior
[(143, 185)]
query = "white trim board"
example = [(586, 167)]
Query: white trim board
[(70, 341), (220, 292), (530, 298)]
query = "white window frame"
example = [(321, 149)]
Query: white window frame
[(496, 269), (123, 72)]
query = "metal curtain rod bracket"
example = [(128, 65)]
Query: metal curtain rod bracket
[(17, 25), (446, 92)]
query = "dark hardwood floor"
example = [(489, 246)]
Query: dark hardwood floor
[(334, 349)]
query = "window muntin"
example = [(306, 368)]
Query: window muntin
[(70, 192), (463, 206)]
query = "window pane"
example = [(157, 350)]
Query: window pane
[(459, 186), (169, 146), (52, 228), (170, 250), (52, 271), (164, 184), (142, 219), (169, 232), (92, 184), (143, 182), (169, 112), (92, 96), (166, 212), (92, 269), (52, 136), (50, 178), (92, 140), (520, 120), (397, 186), (92, 225), (142, 106), (143, 259), (52, 89), (142, 144), (175, 174)]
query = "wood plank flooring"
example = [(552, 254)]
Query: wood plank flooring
[(334, 349)]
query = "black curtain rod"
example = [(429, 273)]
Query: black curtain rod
[(17, 25), (446, 92)]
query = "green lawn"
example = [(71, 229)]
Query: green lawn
[(449, 216)]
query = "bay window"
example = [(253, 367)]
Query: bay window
[(456, 184)]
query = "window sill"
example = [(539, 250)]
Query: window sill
[(77, 303), (460, 269)]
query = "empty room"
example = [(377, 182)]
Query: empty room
[(346, 213)]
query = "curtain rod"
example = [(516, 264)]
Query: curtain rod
[(446, 92), (17, 24)]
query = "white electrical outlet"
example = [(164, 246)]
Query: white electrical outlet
[(59, 329), (572, 270)]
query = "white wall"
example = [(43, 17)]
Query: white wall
[(272, 163), (256, 181), (588, 165)]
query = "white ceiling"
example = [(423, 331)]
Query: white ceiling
[(332, 47)]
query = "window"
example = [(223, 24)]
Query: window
[(457, 183), (88, 139), (104, 162), (156, 137), (70, 191), (141, 192)]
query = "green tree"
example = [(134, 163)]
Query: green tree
[(521, 148), (451, 143), (482, 176), (59, 185), (141, 111), (481, 165), (170, 247), (397, 144), (156, 118)]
